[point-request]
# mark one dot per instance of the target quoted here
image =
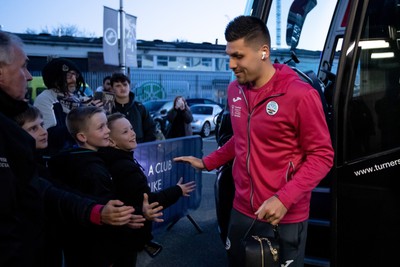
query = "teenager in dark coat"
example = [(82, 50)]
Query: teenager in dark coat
[(135, 112)]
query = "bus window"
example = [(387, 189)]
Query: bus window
[(373, 109), (279, 25), (328, 76), (335, 60)]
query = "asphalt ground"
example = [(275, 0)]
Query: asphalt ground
[(183, 244)]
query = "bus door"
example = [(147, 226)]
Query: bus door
[(305, 24), (354, 217), (366, 132)]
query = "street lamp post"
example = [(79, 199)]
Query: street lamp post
[(122, 63)]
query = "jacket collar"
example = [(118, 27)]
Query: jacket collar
[(277, 85), (11, 107), (130, 103)]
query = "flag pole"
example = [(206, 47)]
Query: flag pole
[(122, 63)]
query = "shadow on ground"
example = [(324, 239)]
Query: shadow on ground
[(183, 245)]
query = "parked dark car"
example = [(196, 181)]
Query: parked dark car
[(158, 110), (194, 101)]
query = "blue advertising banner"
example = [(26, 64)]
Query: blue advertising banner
[(162, 172)]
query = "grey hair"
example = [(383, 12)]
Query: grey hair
[(7, 41)]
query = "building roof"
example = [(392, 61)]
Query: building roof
[(47, 39)]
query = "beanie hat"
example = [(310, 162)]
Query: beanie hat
[(54, 73)]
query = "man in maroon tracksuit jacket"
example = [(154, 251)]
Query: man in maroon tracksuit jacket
[(280, 145)]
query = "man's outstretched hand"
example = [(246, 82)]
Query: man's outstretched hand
[(195, 162)]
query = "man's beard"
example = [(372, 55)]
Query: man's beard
[(71, 88)]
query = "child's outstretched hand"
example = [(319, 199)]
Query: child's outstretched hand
[(136, 221), (186, 188), (152, 212)]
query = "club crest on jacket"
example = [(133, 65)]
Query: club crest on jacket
[(272, 108)]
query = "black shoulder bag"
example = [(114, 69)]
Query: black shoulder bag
[(261, 251)]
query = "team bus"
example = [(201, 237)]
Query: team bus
[(355, 211)]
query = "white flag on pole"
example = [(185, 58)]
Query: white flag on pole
[(110, 37), (130, 41)]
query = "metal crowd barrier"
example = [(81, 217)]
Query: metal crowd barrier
[(162, 172)]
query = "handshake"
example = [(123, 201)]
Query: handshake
[(180, 104)]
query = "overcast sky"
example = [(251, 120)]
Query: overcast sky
[(168, 20)]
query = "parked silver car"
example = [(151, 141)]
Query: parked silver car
[(203, 118), (195, 101)]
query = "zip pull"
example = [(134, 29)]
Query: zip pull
[(273, 251)]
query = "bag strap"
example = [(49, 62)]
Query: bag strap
[(274, 229)]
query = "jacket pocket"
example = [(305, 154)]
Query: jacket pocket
[(290, 171)]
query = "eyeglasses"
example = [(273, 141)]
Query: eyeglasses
[(72, 73)]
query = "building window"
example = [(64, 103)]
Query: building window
[(147, 61), (162, 61), (188, 62), (221, 64), (206, 61)]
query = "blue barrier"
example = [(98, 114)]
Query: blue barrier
[(162, 172)]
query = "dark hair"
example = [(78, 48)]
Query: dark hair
[(30, 114), (108, 77), (176, 99), (250, 28), (55, 75), (119, 77), (113, 117), (78, 117)]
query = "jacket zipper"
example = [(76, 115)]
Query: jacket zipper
[(250, 112)]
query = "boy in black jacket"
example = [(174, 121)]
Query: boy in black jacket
[(128, 177), (82, 170), (31, 120)]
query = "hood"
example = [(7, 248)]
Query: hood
[(281, 81), (54, 73), (284, 74), (127, 105), (110, 155), (67, 163)]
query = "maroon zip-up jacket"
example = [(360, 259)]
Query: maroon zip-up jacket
[(281, 144)]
